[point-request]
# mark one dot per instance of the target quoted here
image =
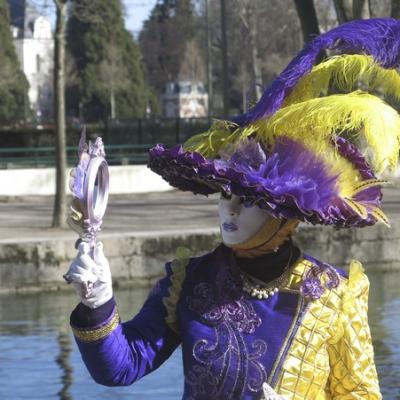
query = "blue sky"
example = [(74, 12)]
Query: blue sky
[(136, 12)]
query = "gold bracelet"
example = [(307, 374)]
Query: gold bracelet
[(97, 334)]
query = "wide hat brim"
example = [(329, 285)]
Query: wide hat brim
[(289, 183)]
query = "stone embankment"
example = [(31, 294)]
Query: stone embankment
[(141, 232)]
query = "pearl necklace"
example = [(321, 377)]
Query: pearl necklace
[(256, 288)]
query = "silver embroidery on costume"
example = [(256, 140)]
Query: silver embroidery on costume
[(228, 364)]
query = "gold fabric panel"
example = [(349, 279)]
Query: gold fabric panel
[(331, 356), (92, 335), (170, 301)]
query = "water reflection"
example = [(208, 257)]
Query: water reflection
[(384, 317), (39, 358), (64, 343)]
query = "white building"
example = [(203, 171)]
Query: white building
[(185, 99), (34, 45)]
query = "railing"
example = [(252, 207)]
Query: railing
[(126, 141), (159, 130), (44, 157)]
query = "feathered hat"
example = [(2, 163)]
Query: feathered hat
[(314, 145)]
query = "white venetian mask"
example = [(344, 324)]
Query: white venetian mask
[(239, 221)]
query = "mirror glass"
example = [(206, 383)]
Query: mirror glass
[(100, 191), (97, 189)]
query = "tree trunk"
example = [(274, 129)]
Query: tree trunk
[(347, 10), (256, 69), (255, 59), (224, 50), (308, 19), (341, 14), (112, 101), (309, 22), (244, 98), (395, 11), (249, 20), (209, 62), (361, 9), (60, 208)]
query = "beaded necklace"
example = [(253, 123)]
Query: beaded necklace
[(261, 290)]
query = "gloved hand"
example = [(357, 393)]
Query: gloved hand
[(270, 394), (91, 276)]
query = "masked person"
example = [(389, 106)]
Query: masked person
[(257, 318)]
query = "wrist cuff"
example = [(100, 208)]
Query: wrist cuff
[(86, 317), (98, 332)]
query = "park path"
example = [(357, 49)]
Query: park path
[(29, 218)]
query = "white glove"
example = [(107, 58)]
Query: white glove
[(270, 394), (91, 276)]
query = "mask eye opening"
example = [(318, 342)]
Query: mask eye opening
[(225, 195), (248, 201)]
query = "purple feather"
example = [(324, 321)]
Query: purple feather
[(378, 37), (347, 150), (371, 196)]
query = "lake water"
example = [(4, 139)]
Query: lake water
[(39, 358)]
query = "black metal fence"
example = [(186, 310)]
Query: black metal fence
[(150, 131), (126, 141)]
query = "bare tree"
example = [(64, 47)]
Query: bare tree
[(224, 56), (242, 82), (113, 75), (192, 67), (348, 10), (308, 19), (277, 38), (247, 11), (341, 11), (210, 87), (60, 203), (395, 9), (361, 9), (326, 15)]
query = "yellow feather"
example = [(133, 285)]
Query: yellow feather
[(369, 183), (209, 143), (380, 216), (355, 114), (366, 119), (345, 72), (220, 136), (357, 207)]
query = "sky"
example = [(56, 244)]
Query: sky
[(136, 12)]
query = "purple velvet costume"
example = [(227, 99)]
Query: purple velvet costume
[(231, 342)]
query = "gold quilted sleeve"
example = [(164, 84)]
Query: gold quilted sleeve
[(351, 356)]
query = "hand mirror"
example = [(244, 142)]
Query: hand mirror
[(89, 185)]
